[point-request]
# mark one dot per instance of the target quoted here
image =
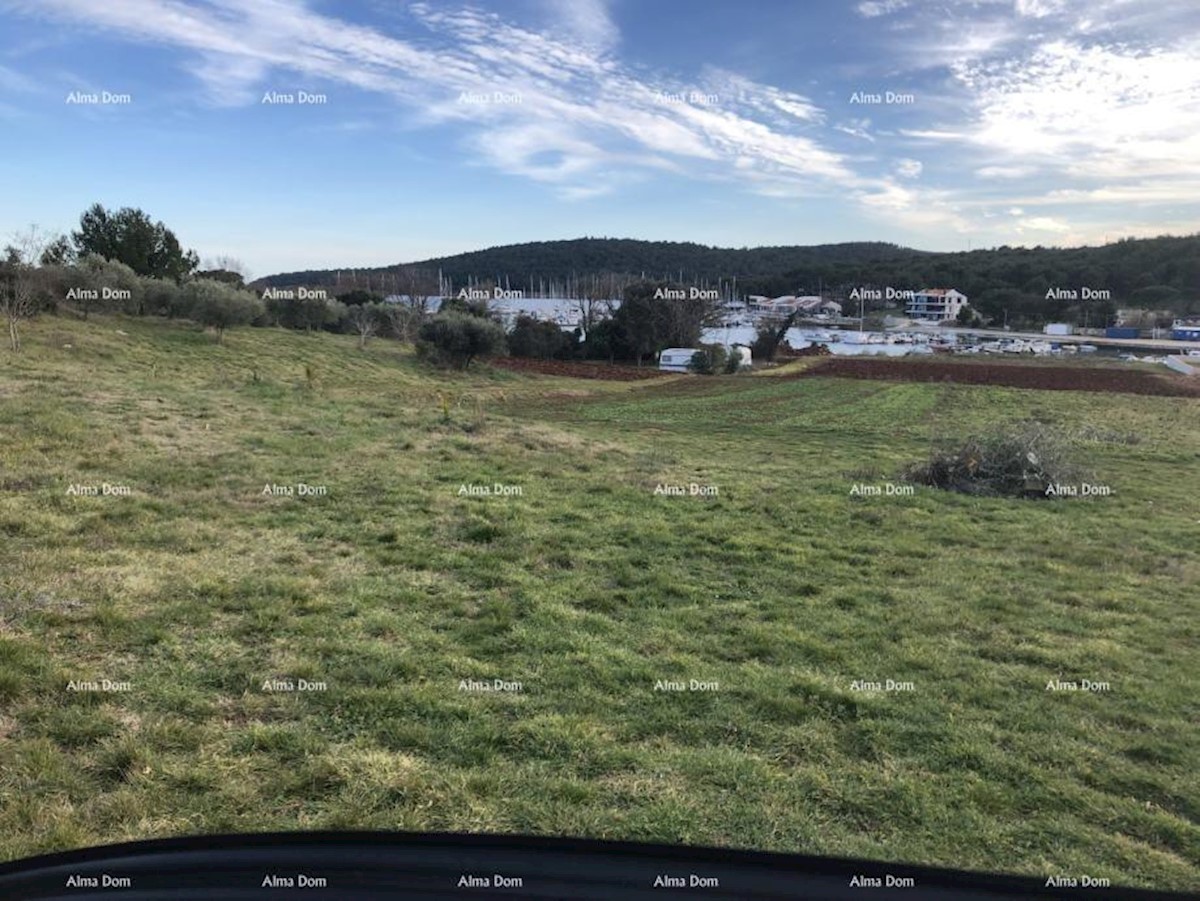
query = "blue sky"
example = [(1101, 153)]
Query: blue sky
[(449, 126)]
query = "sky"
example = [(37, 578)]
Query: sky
[(437, 127)]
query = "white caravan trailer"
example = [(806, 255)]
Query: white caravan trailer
[(677, 359), (742, 351)]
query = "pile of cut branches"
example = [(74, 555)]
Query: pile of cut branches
[(1022, 460)]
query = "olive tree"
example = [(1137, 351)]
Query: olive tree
[(101, 284), (454, 339), (23, 287), (366, 319), (220, 306)]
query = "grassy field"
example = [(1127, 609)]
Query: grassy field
[(587, 588)]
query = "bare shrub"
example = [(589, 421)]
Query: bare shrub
[(1020, 460)]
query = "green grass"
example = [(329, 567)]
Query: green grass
[(587, 588)]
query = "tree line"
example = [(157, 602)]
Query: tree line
[(126, 262)]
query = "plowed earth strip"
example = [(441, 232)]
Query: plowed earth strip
[(578, 369), (1046, 378)]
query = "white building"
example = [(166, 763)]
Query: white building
[(789, 303), (936, 304), (778, 305)]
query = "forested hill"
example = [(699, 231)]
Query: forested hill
[(561, 260), (1141, 272)]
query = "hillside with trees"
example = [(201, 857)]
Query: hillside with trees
[(1155, 273), (123, 261)]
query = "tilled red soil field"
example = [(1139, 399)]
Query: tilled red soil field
[(1047, 378), (578, 369)]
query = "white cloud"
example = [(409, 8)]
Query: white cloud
[(584, 122), (1005, 171), (231, 80), (1093, 110), (857, 128), (731, 90), (932, 134), (1038, 8), (802, 110), (1103, 122), (958, 32), (1171, 192), (920, 209), (586, 20), (1097, 99), (1107, 126), (870, 9), (889, 197), (1043, 224)]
